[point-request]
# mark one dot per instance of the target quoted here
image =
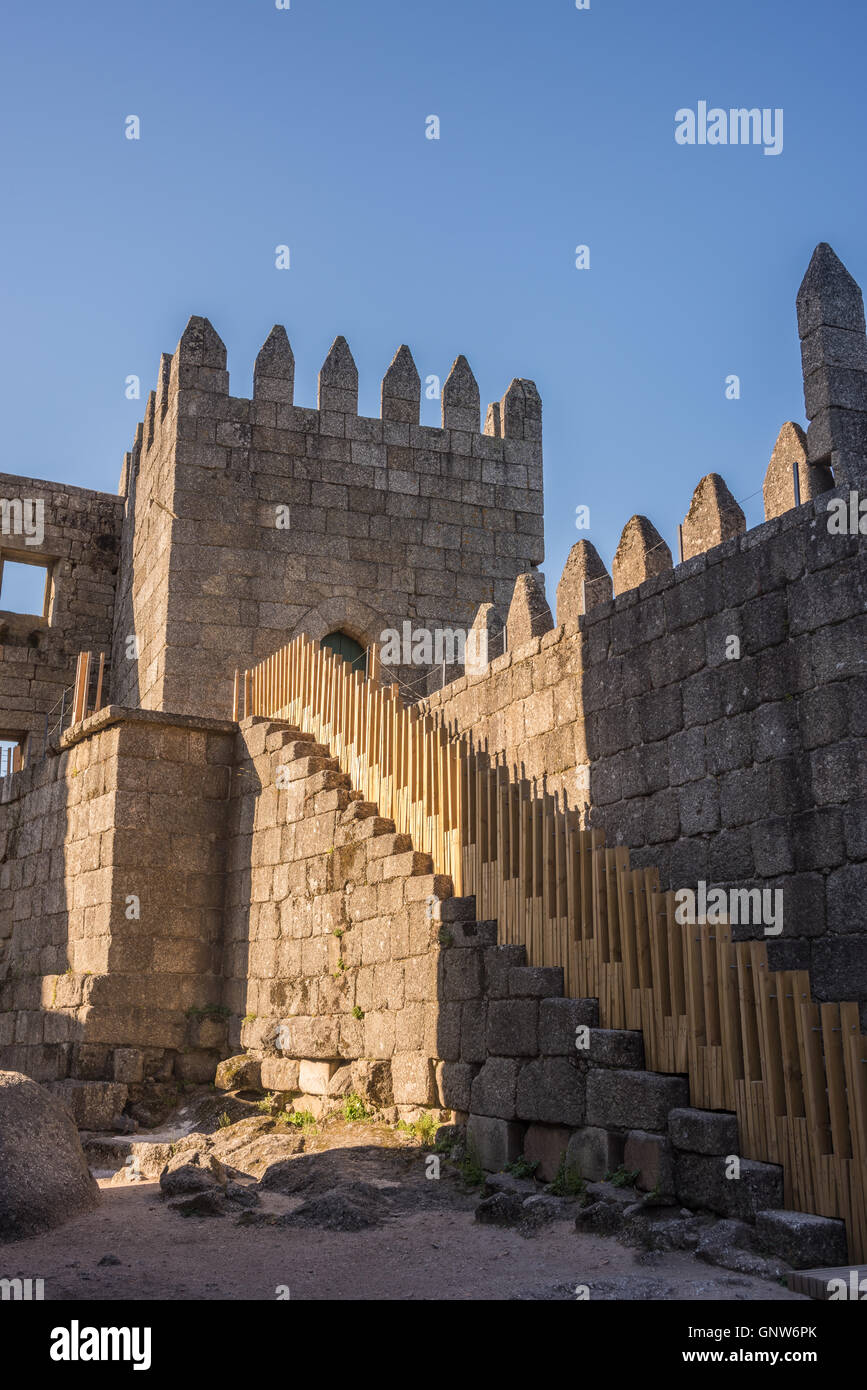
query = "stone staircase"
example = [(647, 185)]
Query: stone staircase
[(536, 1076)]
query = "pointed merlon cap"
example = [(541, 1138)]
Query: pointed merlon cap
[(125, 476), (584, 583), (492, 421), (201, 345), (641, 554), (529, 615), (461, 403), (401, 389), (790, 452), (150, 416), (521, 411), (713, 517), (199, 362), (485, 640), (829, 297), (274, 372), (164, 384), (338, 380)]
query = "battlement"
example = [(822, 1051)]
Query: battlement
[(194, 382), (251, 520)]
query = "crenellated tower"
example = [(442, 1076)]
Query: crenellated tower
[(250, 521)]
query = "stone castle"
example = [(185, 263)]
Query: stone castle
[(166, 900)]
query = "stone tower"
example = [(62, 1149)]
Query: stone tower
[(250, 521)]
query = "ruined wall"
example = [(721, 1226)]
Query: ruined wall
[(38, 653), (111, 858), (254, 520), (739, 771)]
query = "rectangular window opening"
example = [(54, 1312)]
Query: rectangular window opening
[(23, 587), (11, 755)]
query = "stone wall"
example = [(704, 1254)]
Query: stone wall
[(38, 653), (111, 860), (249, 521), (332, 922), (732, 769)]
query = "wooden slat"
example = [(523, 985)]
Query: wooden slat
[(750, 1039)]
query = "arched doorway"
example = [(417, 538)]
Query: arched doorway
[(347, 647)]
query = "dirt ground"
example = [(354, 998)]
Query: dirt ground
[(423, 1242)]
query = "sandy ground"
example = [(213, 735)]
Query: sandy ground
[(429, 1247)]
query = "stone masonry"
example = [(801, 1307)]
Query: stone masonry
[(176, 886)]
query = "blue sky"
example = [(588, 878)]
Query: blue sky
[(306, 126)]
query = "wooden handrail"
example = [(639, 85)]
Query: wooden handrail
[(751, 1040)]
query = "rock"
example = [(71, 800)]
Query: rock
[(109, 1260), (347, 1207), (539, 1210), (44, 1177), (514, 1187), (502, 1209), (601, 1218), (661, 1228), (210, 1203), (723, 1244), (239, 1073), (242, 1196), (802, 1240), (612, 1195), (196, 1172)]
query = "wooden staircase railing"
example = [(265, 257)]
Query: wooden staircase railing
[(751, 1040)]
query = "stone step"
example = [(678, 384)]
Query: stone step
[(536, 981), (424, 886), (305, 748), (623, 1099), (279, 738), (614, 1047), (387, 842), (801, 1239), (468, 934), (703, 1131), (455, 909), (412, 864), (359, 809), (712, 1182)]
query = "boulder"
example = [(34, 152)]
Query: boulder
[(188, 1173), (44, 1177)]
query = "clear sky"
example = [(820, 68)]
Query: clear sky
[(306, 127)]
